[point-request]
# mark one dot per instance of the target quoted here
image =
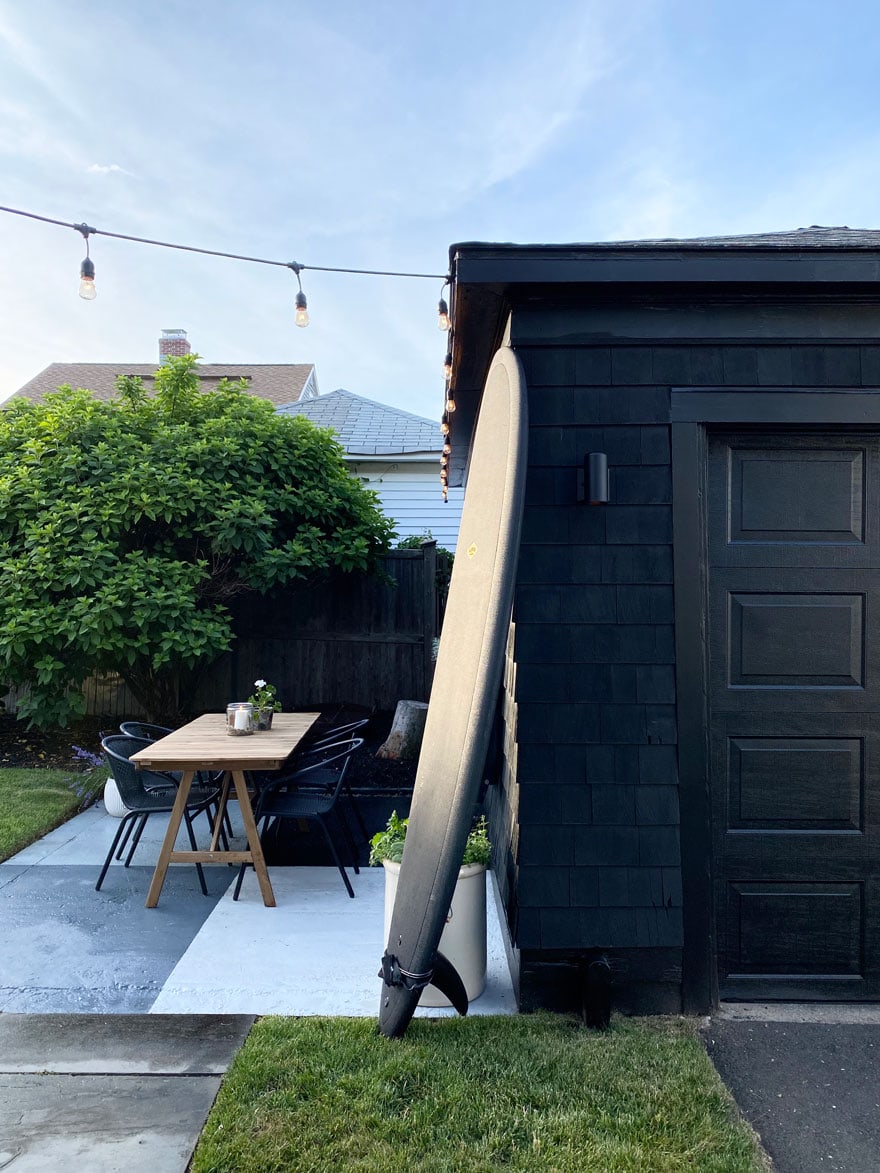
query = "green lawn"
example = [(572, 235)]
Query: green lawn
[(32, 802), (536, 1092)]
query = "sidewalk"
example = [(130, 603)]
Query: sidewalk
[(102, 1093)]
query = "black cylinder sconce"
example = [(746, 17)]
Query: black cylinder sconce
[(593, 486)]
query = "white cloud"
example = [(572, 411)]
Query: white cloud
[(107, 169)]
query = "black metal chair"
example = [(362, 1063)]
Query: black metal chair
[(319, 737), (145, 793), (303, 755), (144, 729), (311, 792), (151, 732)]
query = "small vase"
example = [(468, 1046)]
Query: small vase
[(263, 719)]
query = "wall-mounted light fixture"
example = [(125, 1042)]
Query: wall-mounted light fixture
[(593, 487)]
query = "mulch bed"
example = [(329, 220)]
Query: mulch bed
[(25, 748)]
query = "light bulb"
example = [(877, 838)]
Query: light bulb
[(87, 280), (444, 427), (443, 315), (447, 367), (302, 310), (450, 403), (447, 448)]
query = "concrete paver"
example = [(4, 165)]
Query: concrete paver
[(106, 1093)]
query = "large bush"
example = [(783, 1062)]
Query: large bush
[(126, 528)]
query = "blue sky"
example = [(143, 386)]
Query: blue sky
[(373, 136)]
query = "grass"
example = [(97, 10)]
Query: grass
[(33, 802), (536, 1092)]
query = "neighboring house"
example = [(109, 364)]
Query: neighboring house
[(688, 783), (280, 383), (395, 453)]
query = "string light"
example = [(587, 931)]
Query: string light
[(88, 291), (87, 268), (302, 306)]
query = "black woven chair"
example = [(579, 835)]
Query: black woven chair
[(145, 793), (312, 793), (144, 729), (151, 732), (318, 737), (322, 741)]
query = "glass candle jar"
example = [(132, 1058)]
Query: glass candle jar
[(239, 718)]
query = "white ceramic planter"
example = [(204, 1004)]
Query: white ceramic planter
[(463, 940), (113, 803)]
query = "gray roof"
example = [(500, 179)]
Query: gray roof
[(278, 382), (816, 236), (367, 428)]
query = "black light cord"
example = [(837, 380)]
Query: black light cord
[(210, 252)]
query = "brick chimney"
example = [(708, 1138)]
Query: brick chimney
[(173, 344)]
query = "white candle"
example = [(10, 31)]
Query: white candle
[(242, 719)]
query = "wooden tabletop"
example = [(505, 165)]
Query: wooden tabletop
[(204, 744)]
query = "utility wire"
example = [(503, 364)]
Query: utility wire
[(87, 231)]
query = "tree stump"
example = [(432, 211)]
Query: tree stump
[(407, 729)]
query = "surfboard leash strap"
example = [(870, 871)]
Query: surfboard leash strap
[(392, 974)]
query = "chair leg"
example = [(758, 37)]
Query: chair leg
[(346, 830), (238, 881), (126, 820), (125, 837), (136, 840), (357, 811), (335, 855), (187, 818)]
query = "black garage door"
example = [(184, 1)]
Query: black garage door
[(794, 679)]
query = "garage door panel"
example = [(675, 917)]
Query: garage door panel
[(795, 783), (810, 638), (794, 623), (796, 928), (793, 499)]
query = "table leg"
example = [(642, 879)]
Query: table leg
[(221, 809), (253, 838), (170, 837)]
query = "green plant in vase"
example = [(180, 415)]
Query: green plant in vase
[(265, 704)]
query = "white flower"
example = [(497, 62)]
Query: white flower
[(260, 683)]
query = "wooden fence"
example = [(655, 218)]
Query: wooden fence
[(355, 640)]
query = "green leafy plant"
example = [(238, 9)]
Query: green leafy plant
[(264, 700), (388, 844), (129, 530)]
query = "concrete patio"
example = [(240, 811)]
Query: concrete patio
[(70, 949)]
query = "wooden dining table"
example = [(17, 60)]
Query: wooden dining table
[(205, 745)]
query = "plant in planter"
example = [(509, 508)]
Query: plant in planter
[(265, 704), (463, 940)]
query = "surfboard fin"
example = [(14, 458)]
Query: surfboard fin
[(447, 980), (444, 976)]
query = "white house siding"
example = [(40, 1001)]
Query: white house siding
[(410, 494)]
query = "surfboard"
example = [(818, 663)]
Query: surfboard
[(463, 699)]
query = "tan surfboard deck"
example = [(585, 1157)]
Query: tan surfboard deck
[(463, 700)]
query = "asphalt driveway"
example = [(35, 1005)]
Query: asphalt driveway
[(811, 1089)]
